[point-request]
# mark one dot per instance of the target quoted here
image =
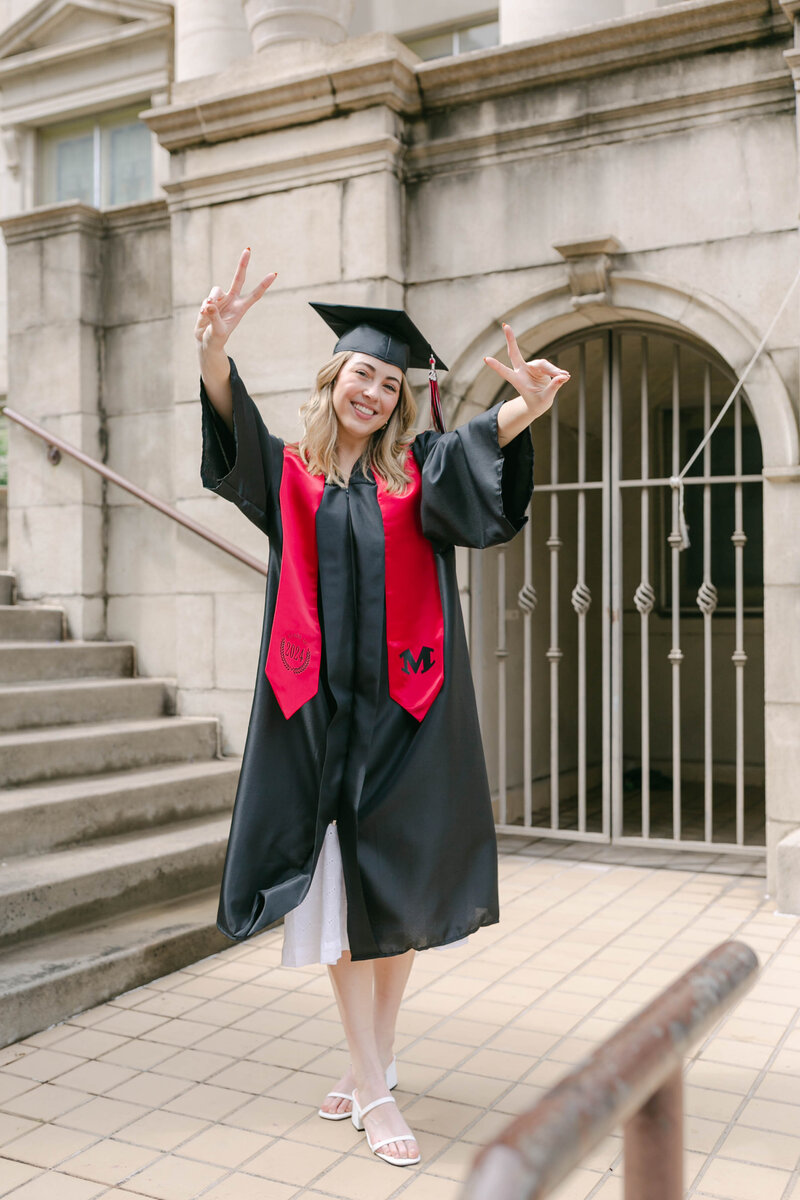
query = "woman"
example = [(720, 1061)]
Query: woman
[(362, 812)]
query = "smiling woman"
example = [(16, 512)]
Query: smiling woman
[(362, 813)]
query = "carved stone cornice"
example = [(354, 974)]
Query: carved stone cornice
[(262, 94), (621, 44), (72, 217)]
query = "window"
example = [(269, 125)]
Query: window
[(457, 41), (100, 161)]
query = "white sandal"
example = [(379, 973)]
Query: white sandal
[(391, 1083), (358, 1120)]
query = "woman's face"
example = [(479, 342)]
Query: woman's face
[(365, 395)]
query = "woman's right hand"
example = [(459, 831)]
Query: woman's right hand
[(221, 312)]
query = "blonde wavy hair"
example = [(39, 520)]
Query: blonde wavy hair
[(387, 448)]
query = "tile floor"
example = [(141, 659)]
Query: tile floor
[(205, 1083)]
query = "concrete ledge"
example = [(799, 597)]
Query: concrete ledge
[(788, 890)]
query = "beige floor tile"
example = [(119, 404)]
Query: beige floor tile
[(90, 1043), (47, 1145), (431, 1186), (340, 1136), (234, 1043), (130, 1022), (12, 1127), (762, 1146), (14, 1174), (288, 1162), (486, 1128), (102, 1115), (737, 1053), (701, 1134), (499, 1064), (109, 1161), (13, 1085), (443, 1117), (577, 1185), (193, 1064), (149, 1088), (479, 1090), (725, 1078), (273, 1024), (45, 1101), (249, 1187), (274, 1117), (251, 1077), (174, 1179), (137, 1053), (169, 1004), (785, 1088), (160, 1130), (519, 1099), (208, 1102), (180, 1031), (43, 1065), (224, 1146), (741, 1181), (206, 986), (280, 1052), (715, 1106), (301, 1087), (465, 1033), (362, 1179), (767, 1114), (53, 1185), (97, 1078)]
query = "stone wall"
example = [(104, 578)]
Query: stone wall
[(473, 190)]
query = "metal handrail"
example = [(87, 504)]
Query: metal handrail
[(57, 444), (633, 1079)]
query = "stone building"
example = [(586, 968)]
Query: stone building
[(617, 179)]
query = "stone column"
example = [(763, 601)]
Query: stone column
[(209, 36), (524, 20), (56, 513), (274, 21)]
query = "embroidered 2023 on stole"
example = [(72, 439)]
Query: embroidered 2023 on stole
[(414, 621)]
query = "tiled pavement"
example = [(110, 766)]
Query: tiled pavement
[(205, 1083)]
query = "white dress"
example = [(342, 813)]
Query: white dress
[(316, 931)]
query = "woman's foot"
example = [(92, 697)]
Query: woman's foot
[(383, 1122), (341, 1105)]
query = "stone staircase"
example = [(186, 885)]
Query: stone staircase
[(113, 820)]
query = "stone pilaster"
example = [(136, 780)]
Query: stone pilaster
[(56, 513), (209, 36)]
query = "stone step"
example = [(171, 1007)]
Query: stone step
[(66, 702), (54, 977), (58, 813), (69, 888), (31, 623), (7, 586), (28, 756), (29, 661)]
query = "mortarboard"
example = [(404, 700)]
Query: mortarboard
[(388, 334)]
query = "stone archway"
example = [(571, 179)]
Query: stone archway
[(550, 317)]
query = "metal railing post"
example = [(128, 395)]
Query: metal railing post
[(653, 1139)]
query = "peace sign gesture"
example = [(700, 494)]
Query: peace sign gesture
[(221, 312), (537, 382)]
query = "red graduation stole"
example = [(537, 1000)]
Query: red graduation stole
[(414, 621)]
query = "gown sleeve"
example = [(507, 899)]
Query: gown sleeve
[(244, 466), (474, 493)]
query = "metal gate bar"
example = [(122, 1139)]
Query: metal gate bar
[(521, 786)]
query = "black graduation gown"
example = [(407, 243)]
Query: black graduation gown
[(411, 798)]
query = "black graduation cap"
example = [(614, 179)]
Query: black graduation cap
[(386, 333), (390, 335)]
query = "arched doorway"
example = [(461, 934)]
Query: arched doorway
[(621, 680)]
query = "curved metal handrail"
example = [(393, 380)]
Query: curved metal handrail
[(633, 1079), (56, 444)]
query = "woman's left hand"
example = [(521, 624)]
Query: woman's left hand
[(537, 382)]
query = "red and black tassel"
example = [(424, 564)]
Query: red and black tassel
[(437, 416)]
